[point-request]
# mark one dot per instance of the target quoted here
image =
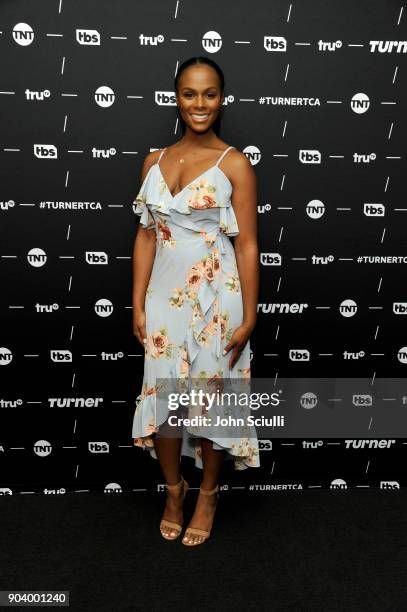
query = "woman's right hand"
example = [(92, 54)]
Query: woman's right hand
[(139, 326)]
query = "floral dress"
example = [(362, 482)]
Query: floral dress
[(193, 304)]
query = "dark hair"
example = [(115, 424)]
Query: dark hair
[(193, 61)]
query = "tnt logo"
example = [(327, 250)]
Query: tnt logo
[(253, 154), (275, 43), (308, 400), (36, 257), (338, 483), (104, 307), (23, 34), (360, 103), (87, 37), (402, 354), (348, 308), (211, 41), (270, 259), (310, 156), (6, 356), (315, 209), (104, 96), (113, 487)]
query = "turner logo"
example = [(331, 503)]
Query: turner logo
[(348, 308), (23, 34), (6, 356), (400, 308), (36, 257), (270, 259), (373, 209), (299, 355), (315, 209), (211, 41), (309, 156), (45, 151), (275, 43), (61, 355), (282, 308), (103, 307), (165, 98), (104, 96), (253, 154), (388, 46), (369, 444), (60, 491), (87, 37), (96, 257), (360, 103)]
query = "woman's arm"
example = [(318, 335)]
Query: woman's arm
[(143, 259), (244, 201)]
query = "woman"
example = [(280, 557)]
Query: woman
[(194, 293)]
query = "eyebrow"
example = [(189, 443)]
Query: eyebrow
[(211, 87)]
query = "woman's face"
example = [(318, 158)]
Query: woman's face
[(199, 97)]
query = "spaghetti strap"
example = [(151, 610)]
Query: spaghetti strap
[(160, 156), (223, 155)]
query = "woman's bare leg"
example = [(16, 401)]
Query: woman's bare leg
[(206, 504), (169, 454)]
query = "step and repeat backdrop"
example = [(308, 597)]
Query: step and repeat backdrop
[(315, 97)]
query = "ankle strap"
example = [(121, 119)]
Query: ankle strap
[(211, 492), (175, 486)]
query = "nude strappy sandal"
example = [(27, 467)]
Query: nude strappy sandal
[(170, 524), (195, 530)]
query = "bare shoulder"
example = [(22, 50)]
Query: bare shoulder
[(237, 167), (149, 161)]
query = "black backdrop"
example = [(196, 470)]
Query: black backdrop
[(86, 92)]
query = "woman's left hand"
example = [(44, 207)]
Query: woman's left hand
[(238, 341)]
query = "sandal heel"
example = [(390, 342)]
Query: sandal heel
[(164, 522)]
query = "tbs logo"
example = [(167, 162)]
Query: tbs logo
[(309, 156), (87, 37), (275, 43), (96, 257), (270, 259)]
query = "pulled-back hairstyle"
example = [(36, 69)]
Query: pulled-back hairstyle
[(192, 61)]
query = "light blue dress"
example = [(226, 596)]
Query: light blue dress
[(193, 303)]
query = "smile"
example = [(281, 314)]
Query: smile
[(200, 118)]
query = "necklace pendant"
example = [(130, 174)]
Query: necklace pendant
[(181, 161)]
